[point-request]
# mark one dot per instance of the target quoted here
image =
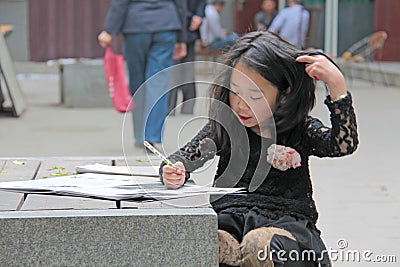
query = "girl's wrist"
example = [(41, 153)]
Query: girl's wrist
[(338, 97), (336, 90), (337, 94)]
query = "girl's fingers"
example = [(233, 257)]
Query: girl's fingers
[(169, 170), (311, 71), (174, 178), (173, 171), (309, 66), (172, 183), (316, 70), (180, 169), (306, 59)]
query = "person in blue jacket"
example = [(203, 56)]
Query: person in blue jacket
[(154, 33)]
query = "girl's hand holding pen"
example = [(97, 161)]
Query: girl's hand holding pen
[(174, 178), (321, 68), (173, 173)]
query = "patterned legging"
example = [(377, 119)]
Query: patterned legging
[(265, 246), (251, 239)]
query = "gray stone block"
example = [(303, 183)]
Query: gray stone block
[(151, 237), (83, 85)]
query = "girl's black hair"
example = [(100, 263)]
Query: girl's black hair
[(275, 60)]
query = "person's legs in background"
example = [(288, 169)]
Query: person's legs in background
[(156, 98), (136, 49), (172, 99), (189, 89), (1, 98)]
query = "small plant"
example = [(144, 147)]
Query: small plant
[(142, 160), (58, 171)]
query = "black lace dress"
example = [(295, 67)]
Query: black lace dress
[(285, 198)]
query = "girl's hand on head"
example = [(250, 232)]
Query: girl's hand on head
[(321, 68), (174, 178)]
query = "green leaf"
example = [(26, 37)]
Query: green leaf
[(58, 174), (142, 160)]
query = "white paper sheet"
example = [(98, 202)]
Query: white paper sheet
[(112, 187), (151, 171)]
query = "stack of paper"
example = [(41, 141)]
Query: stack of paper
[(111, 187), (151, 171)]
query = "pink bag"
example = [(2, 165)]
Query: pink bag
[(114, 69)]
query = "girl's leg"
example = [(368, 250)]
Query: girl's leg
[(229, 250), (270, 246), (230, 227)]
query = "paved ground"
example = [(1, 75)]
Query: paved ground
[(358, 197)]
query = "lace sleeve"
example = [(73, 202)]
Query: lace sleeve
[(341, 139), (195, 153)]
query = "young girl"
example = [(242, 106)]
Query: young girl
[(275, 220)]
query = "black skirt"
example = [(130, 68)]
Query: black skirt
[(239, 223)]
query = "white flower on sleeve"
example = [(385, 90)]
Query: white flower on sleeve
[(283, 157)]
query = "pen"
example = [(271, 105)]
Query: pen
[(161, 156)]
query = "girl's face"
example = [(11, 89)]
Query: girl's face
[(251, 97)]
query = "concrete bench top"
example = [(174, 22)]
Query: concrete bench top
[(29, 169)]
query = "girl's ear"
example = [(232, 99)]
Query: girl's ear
[(282, 95), (280, 99)]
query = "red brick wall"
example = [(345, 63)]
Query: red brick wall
[(387, 18), (66, 28)]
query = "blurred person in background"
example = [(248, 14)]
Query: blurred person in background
[(195, 16), (212, 34), (154, 33), (291, 23), (264, 18)]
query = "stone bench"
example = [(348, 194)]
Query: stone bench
[(131, 237), (47, 230)]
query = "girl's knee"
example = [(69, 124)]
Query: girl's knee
[(229, 251), (256, 246)]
